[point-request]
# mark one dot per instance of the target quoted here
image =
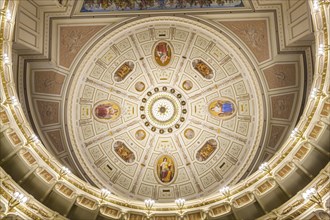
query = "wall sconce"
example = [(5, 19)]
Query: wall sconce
[(313, 196), (18, 198), (149, 204), (13, 100), (264, 167), (225, 191), (180, 203), (64, 171), (6, 59), (322, 49), (297, 134), (8, 15), (104, 194), (317, 93), (33, 139), (315, 6)]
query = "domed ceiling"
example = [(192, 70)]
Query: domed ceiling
[(164, 109), (164, 106)]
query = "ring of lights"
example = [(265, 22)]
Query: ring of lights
[(163, 110)]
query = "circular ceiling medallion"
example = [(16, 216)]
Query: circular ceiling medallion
[(139, 86), (189, 133), (187, 85), (140, 134), (163, 110)]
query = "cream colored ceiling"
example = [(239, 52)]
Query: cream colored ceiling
[(27, 167), (266, 86), (237, 136)]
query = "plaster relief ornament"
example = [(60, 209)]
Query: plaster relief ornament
[(124, 152), (207, 150), (122, 72), (107, 110), (163, 110), (162, 53), (203, 69), (222, 109), (165, 169)]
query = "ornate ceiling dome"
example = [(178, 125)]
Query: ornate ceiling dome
[(165, 108), (169, 102)]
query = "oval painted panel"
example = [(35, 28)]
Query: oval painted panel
[(162, 53), (202, 68), (165, 169), (122, 72), (207, 150), (124, 152), (107, 110), (222, 108)]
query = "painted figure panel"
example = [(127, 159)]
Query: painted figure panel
[(123, 71), (124, 152), (202, 68), (165, 169), (140, 134), (139, 86), (189, 133), (222, 108), (107, 110), (207, 150), (187, 85), (130, 5), (162, 53)]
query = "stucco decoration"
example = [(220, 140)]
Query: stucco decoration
[(182, 99), (282, 106), (72, 39), (254, 33), (48, 82), (281, 76), (48, 111)]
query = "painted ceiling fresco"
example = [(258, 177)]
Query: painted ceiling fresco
[(138, 5)]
